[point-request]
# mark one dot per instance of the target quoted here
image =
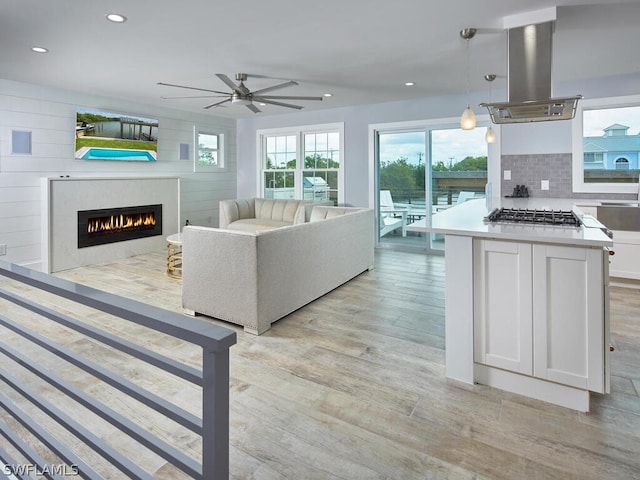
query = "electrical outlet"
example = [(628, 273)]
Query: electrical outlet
[(3, 248), (544, 184), (507, 174)]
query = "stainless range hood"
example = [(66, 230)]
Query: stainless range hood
[(529, 80)]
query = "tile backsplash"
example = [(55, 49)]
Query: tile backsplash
[(531, 170)]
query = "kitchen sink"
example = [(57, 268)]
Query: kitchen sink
[(620, 216)]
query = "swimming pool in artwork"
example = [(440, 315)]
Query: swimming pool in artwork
[(96, 153)]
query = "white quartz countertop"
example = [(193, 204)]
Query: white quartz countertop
[(468, 219)]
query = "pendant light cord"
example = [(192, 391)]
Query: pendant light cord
[(468, 75)]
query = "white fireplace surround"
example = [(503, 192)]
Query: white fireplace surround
[(64, 197)]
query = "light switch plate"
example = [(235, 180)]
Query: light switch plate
[(544, 184), (507, 174)]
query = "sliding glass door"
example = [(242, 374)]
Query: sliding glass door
[(421, 172), (401, 187)]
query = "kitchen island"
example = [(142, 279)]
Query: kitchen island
[(526, 304)]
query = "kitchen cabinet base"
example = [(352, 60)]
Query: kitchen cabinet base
[(562, 395)]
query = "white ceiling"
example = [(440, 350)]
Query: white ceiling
[(361, 51)]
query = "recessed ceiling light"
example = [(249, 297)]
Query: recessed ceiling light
[(328, 95), (116, 18), (409, 84), (39, 49)]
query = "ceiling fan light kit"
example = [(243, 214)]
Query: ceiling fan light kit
[(241, 95), (239, 100)]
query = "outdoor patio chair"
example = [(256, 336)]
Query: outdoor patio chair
[(392, 217)]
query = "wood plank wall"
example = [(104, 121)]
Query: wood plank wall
[(49, 114)]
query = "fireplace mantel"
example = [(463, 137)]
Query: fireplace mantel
[(63, 197)]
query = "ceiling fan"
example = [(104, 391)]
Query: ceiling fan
[(241, 95)]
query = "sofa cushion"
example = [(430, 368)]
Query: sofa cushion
[(290, 211), (256, 224), (233, 210), (321, 212), (308, 208)]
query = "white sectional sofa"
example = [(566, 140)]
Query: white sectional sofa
[(253, 278)]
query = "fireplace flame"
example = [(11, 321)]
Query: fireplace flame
[(118, 223)]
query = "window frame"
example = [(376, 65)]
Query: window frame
[(299, 132), (221, 165), (577, 150)]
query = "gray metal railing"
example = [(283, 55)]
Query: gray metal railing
[(19, 399)]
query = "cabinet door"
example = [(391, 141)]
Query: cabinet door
[(502, 305), (568, 315), (626, 261)]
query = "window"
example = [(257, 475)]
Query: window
[(321, 166), (593, 159), (622, 164), (606, 145), (302, 162), (209, 153), (280, 166)]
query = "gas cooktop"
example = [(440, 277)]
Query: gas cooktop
[(542, 217)]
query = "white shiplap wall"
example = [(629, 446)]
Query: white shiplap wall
[(49, 114)]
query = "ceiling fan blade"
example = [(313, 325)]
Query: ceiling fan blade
[(255, 75), (217, 104), (286, 97), (280, 104), (195, 96), (228, 82), (275, 87), (253, 108), (192, 88)]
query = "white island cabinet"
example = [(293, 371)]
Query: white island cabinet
[(526, 305), (625, 264)]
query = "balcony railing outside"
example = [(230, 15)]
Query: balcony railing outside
[(445, 188)]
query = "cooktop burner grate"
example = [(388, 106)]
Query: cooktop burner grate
[(544, 217)]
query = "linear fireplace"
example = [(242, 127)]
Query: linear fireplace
[(110, 225)]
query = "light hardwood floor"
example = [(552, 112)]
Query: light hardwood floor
[(352, 387)]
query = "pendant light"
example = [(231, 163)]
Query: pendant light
[(490, 136), (468, 118)]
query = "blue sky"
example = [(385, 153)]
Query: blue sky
[(595, 121), (448, 146)]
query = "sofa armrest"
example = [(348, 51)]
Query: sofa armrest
[(236, 209), (219, 274)]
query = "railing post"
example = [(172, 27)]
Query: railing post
[(215, 414)]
